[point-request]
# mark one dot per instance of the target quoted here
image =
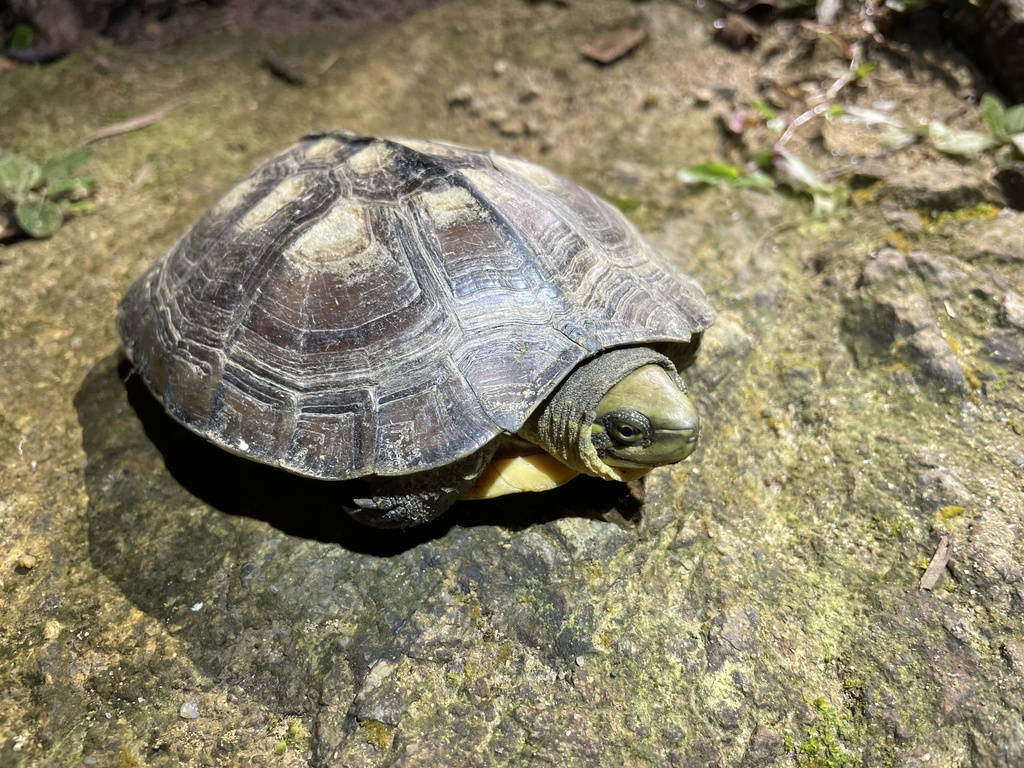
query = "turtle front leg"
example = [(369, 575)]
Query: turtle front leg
[(404, 500)]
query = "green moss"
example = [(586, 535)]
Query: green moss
[(377, 733), (979, 211), (294, 737), (825, 743)]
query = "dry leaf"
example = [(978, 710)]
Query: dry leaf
[(613, 46)]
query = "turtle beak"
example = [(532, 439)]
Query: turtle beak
[(675, 434)]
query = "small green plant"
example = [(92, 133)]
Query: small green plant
[(22, 36), (1005, 128), (39, 197), (294, 738), (1006, 125), (777, 167)]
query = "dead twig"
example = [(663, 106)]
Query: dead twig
[(769, 234), (280, 68), (329, 62), (943, 552), (828, 99), (135, 123)]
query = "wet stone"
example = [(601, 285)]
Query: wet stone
[(384, 704), (901, 316), (1011, 310), (939, 487), (928, 346), (901, 219), (1005, 348), (932, 270), (887, 264)]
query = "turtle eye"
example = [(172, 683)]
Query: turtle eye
[(627, 431)]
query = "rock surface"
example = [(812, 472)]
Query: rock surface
[(757, 605)]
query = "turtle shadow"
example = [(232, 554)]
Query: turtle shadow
[(113, 401), (238, 560)]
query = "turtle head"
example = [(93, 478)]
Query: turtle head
[(618, 416), (645, 420)]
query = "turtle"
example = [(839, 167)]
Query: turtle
[(438, 322)]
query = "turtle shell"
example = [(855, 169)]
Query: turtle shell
[(363, 306)]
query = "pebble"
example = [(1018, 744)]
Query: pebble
[(28, 562), (940, 487), (189, 710), (903, 315), (1011, 311), (935, 352), (908, 321), (1005, 348), (886, 264), (462, 96)]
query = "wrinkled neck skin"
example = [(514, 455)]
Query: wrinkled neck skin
[(561, 426)]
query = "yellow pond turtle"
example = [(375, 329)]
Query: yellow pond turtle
[(442, 322)]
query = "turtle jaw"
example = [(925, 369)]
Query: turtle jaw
[(669, 446), (668, 443)]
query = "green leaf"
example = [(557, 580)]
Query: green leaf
[(74, 187), (756, 179), (863, 69), (1015, 119), (22, 37), (66, 164), (710, 173), (38, 218), (763, 109), (962, 143), (861, 116), (765, 160), (790, 165), (826, 197), (18, 175), (993, 113), (826, 201), (78, 206), (1018, 143), (900, 138)]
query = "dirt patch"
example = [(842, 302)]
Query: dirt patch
[(62, 26)]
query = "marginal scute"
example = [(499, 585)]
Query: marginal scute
[(384, 307)]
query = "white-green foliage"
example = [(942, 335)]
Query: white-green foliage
[(39, 196)]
